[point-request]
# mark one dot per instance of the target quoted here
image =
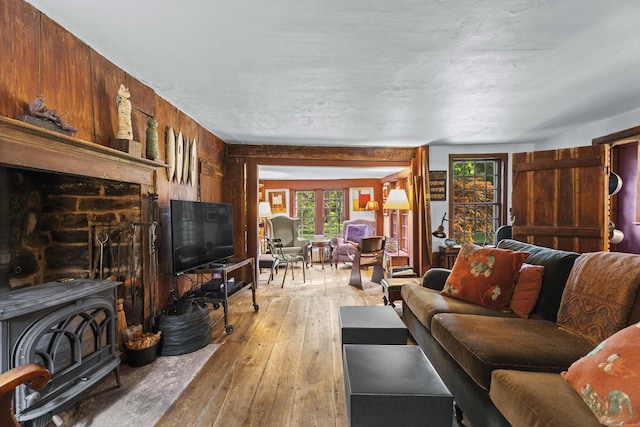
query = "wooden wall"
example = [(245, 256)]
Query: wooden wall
[(39, 56)]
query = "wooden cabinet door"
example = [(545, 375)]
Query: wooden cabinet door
[(560, 198)]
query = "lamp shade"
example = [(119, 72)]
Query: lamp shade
[(372, 205), (264, 210), (397, 199)]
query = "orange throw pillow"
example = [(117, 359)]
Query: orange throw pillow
[(527, 289), (484, 275), (607, 378)]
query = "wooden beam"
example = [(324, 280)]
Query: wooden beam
[(323, 156)]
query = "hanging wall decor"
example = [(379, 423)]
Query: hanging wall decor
[(185, 161), (193, 164), (170, 153), (179, 157), (438, 186)]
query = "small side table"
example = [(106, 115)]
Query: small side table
[(448, 256), (395, 259), (322, 246), (391, 288)]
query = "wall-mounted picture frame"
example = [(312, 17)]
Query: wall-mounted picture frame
[(360, 197), (438, 186), (385, 193), (278, 201)]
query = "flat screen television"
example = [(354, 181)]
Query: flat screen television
[(201, 234)]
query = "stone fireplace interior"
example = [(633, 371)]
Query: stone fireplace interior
[(59, 224)]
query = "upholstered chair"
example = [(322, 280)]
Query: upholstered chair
[(286, 229), (354, 230)]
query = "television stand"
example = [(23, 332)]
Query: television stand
[(222, 295)]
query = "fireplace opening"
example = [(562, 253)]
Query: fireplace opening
[(61, 237), (53, 223)]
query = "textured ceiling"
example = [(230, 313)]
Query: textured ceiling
[(375, 72)]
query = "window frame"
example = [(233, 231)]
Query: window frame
[(341, 217), (502, 178), (303, 218)]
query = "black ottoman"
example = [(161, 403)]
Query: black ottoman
[(371, 325), (389, 385)]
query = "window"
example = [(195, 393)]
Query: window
[(333, 202), (477, 206), (306, 211), (404, 230)]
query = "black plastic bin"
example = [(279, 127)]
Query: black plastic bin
[(185, 327)]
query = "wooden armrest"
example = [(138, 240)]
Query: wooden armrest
[(36, 376)]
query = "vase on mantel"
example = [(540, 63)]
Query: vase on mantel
[(152, 139)]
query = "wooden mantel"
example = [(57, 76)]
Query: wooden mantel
[(29, 147)]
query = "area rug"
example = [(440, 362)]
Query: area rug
[(146, 392)]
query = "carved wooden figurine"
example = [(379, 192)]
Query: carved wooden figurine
[(125, 130)]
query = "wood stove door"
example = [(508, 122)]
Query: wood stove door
[(77, 344)]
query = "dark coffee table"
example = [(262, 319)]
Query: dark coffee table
[(389, 385)]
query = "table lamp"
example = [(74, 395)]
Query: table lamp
[(372, 205)]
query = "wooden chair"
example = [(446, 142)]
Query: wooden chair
[(370, 253), (36, 376)]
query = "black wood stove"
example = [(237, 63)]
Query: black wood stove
[(70, 328)]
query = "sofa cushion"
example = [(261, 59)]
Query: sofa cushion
[(526, 290), (482, 344), (538, 399), (355, 232), (425, 303), (599, 294), (484, 275), (557, 266), (607, 378)]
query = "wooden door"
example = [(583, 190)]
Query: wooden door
[(560, 198)]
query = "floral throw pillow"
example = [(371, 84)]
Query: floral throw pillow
[(484, 275), (527, 289), (607, 378)]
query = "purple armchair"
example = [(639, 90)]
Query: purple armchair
[(354, 230)]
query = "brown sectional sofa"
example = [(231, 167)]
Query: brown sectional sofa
[(502, 369)]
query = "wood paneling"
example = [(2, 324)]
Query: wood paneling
[(213, 148), (143, 105), (106, 81), (65, 77), (234, 192), (19, 47)]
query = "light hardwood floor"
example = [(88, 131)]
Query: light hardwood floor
[(282, 366)]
